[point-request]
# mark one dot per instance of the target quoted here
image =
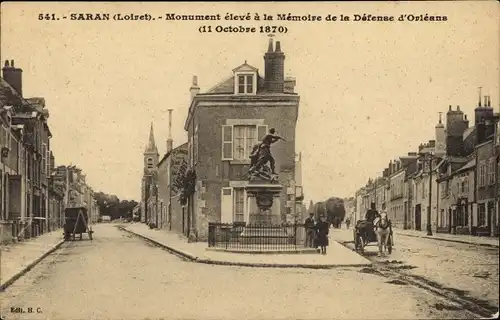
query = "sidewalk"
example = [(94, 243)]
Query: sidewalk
[(18, 258), (337, 254), (346, 235), (480, 241)]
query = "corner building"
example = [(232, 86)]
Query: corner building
[(224, 124)]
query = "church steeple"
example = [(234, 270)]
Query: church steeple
[(151, 146), (151, 156)]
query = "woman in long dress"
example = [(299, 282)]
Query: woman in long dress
[(322, 229)]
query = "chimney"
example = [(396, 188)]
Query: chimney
[(274, 65), (480, 131), (194, 90), (13, 76), (169, 140), (479, 101)]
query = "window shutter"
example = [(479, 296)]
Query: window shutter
[(226, 208), (227, 142), (261, 132)]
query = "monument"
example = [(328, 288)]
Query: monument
[(264, 224)]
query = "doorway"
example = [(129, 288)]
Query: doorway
[(418, 219)]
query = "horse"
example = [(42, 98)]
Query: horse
[(383, 229)]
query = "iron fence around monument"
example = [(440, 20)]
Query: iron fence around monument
[(240, 236)]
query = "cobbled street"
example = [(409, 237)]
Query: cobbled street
[(464, 269), (119, 276)]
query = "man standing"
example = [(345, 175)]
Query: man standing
[(371, 214), (310, 230)]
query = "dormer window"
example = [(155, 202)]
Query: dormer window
[(245, 79), (245, 84)]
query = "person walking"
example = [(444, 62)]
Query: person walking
[(310, 230), (322, 229), (347, 222)]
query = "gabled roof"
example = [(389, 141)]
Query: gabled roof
[(245, 67)]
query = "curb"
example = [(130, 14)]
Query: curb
[(18, 275), (243, 264), (283, 252), (450, 240)]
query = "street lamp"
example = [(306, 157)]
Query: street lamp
[(429, 157)]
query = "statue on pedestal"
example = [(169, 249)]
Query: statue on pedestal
[(260, 158)]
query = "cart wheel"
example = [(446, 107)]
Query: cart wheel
[(359, 244), (389, 244)]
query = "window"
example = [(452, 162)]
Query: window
[(245, 84), (48, 162), (150, 163), (3, 136), (196, 143), (239, 205), (44, 158), (227, 142), (482, 174), (481, 215), (464, 187), (238, 140), (13, 159), (491, 172), (244, 139)]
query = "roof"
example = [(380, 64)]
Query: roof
[(182, 146), (468, 131), (245, 67), (470, 165)]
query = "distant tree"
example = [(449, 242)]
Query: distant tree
[(335, 210), (110, 205)]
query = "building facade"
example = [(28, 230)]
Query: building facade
[(223, 125), (460, 190), (170, 171), (30, 192)]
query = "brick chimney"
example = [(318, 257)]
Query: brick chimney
[(274, 65), (13, 76)]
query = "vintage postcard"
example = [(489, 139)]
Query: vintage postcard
[(249, 160)]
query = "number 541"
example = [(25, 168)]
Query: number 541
[(47, 16)]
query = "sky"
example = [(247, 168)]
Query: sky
[(369, 91)]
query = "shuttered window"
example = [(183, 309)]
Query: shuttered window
[(226, 215), (227, 142)]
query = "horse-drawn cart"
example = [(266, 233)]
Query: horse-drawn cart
[(364, 234), (76, 222)]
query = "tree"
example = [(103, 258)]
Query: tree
[(110, 205), (335, 210)]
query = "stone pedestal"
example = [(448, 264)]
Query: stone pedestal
[(263, 226)]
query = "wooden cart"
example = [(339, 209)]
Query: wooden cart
[(76, 222)]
